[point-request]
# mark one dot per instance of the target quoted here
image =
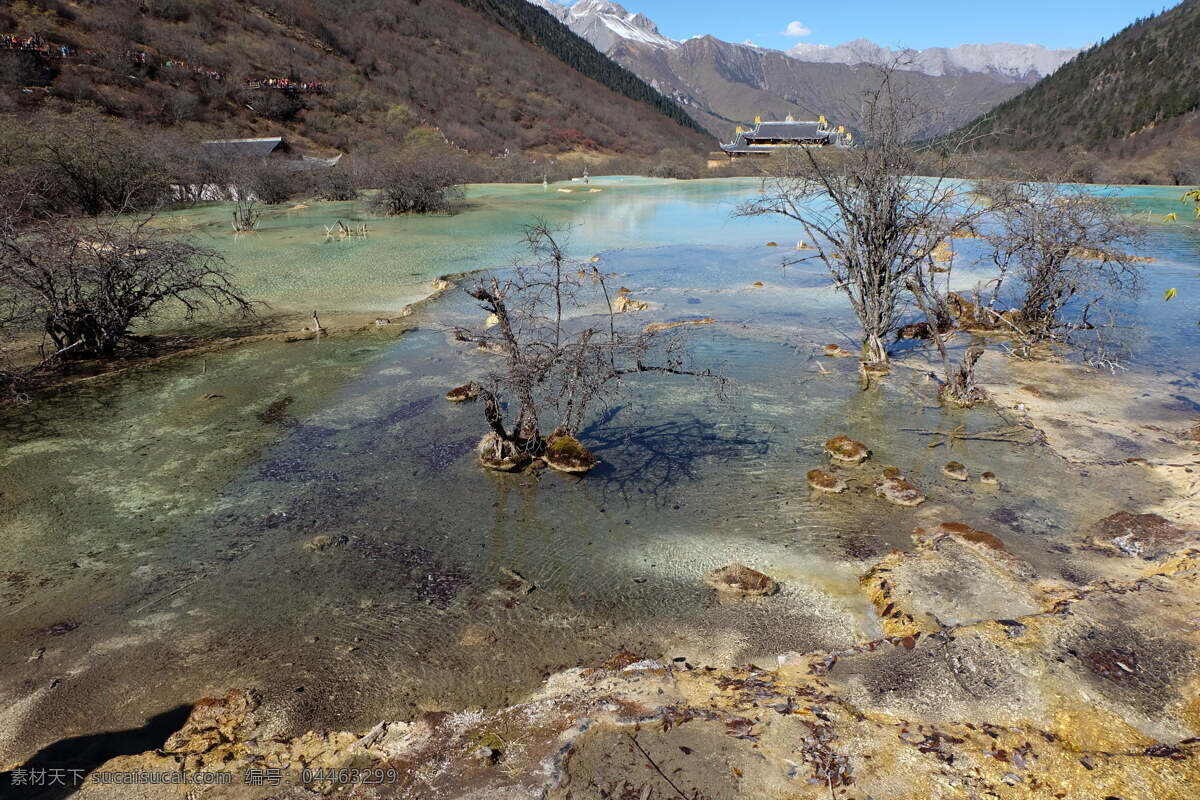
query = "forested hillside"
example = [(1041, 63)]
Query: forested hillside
[(341, 74), (1130, 94)]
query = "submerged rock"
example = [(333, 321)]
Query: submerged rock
[(498, 454), (893, 474), (662, 326), (740, 580), (1147, 536), (967, 535), (900, 492), (845, 449), (989, 478), (824, 482), (462, 394), (917, 330), (565, 454), (626, 303), (837, 351), (956, 471)]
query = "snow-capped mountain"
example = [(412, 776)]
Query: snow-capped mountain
[(606, 24), (722, 84), (1022, 62)]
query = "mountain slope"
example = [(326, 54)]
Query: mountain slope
[(1126, 95), (489, 74), (723, 84)]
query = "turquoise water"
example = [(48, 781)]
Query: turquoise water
[(163, 513)]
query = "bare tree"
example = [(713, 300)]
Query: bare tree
[(1062, 252), (245, 213), (876, 213), (86, 284), (559, 348)]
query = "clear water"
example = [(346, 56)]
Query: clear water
[(164, 515)]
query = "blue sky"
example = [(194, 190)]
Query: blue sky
[(918, 24)]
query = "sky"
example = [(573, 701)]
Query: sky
[(919, 24)]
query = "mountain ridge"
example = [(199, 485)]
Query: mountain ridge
[(722, 84)]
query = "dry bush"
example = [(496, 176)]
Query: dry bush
[(87, 284)]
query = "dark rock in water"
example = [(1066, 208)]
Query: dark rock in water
[(275, 413), (406, 411), (956, 471), (441, 455), (468, 392), (824, 482), (917, 330), (516, 581), (294, 469), (900, 492), (740, 580), (859, 548), (989, 478), (1007, 517), (59, 628), (694, 301), (565, 454), (845, 449), (429, 580), (1116, 665), (1148, 536)]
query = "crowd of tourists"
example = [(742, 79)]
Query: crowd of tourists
[(285, 84), (32, 44)]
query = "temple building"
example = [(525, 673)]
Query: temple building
[(767, 137)]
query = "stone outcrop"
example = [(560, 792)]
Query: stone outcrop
[(846, 450), (956, 470), (564, 453), (899, 491), (824, 482), (1147, 536)]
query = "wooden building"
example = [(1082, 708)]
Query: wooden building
[(766, 138)]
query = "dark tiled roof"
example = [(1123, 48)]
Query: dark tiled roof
[(788, 130), (246, 148), (756, 140)]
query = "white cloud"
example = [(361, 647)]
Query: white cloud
[(797, 29)]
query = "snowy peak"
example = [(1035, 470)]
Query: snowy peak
[(607, 24), (1020, 62)]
